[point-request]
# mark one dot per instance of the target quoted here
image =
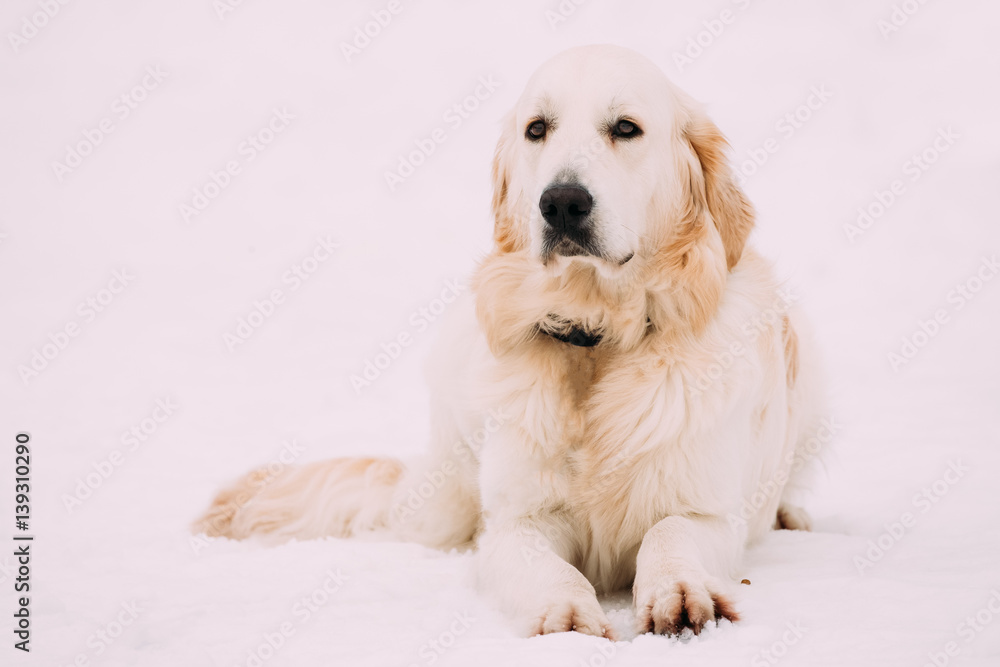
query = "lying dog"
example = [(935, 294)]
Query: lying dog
[(629, 377)]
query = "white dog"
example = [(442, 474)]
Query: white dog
[(624, 404)]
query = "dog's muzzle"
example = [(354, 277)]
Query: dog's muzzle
[(568, 230)]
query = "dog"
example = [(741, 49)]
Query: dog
[(626, 401)]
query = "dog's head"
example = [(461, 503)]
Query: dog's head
[(603, 159), (613, 202)]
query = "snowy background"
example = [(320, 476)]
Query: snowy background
[(115, 115)]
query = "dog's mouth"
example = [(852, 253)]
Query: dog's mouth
[(562, 244), (569, 244)]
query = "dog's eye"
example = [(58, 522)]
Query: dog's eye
[(535, 131), (626, 129)]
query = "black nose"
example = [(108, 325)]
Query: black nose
[(565, 207)]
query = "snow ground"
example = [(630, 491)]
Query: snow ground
[(123, 554)]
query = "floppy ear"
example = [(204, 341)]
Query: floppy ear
[(508, 231), (732, 212)]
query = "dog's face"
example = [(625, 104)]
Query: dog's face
[(594, 145), (601, 160)]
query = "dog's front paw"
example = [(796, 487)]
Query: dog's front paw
[(683, 602), (580, 613)]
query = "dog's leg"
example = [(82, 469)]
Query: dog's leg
[(437, 503), (680, 574), (807, 406), (522, 565)]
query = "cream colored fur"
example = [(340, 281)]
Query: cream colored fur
[(575, 470)]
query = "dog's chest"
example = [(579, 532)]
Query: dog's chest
[(590, 433), (610, 462), (579, 461)]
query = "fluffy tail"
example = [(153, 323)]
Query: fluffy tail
[(338, 498), (435, 503)]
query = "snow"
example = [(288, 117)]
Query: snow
[(123, 555)]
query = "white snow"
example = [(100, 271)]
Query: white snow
[(161, 337)]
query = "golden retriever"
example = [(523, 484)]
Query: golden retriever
[(623, 403)]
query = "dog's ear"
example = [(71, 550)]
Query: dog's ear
[(731, 211), (508, 230)]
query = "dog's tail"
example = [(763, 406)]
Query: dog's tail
[(342, 497), (429, 503)]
